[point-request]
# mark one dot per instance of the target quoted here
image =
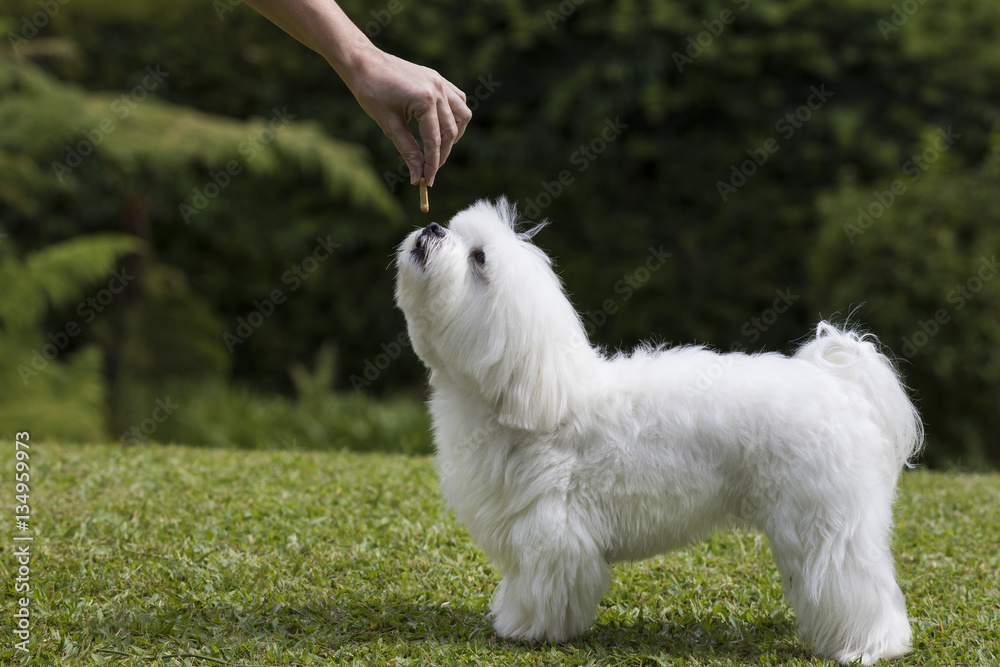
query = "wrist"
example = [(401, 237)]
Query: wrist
[(354, 61)]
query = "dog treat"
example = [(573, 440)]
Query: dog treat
[(424, 204)]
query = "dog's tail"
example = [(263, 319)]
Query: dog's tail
[(857, 359)]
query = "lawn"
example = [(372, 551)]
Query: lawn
[(173, 555)]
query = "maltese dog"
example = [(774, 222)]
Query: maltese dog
[(560, 459)]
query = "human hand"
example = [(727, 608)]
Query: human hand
[(392, 91)]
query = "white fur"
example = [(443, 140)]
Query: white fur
[(561, 460)]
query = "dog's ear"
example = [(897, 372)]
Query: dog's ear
[(534, 396)]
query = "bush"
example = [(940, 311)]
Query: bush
[(222, 416), (219, 415), (690, 103), (919, 251)]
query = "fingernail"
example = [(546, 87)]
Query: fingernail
[(413, 177)]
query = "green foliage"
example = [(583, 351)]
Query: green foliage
[(63, 400), (164, 138), (110, 161), (56, 277), (920, 250), (319, 558), (170, 335), (99, 158), (222, 416), (545, 82), (138, 137), (216, 415), (57, 394)]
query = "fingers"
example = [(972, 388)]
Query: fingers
[(460, 110), (429, 123), (396, 91), (449, 128), (399, 132), (441, 126)]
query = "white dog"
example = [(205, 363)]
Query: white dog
[(561, 460)]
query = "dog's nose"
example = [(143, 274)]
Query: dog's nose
[(433, 229)]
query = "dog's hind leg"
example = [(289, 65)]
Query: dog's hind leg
[(838, 574)]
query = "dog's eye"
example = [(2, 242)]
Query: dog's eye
[(479, 256)]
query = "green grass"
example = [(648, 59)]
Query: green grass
[(264, 558)]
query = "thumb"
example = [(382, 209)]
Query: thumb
[(407, 146)]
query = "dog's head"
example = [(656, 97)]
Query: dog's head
[(485, 309)]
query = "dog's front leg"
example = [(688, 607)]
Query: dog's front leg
[(552, 586)]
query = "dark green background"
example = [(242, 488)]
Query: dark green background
[(546, 79)]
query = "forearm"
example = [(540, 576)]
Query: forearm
[(323, 27), (390, 90)]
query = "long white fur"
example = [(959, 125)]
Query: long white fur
[(560, 460)]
